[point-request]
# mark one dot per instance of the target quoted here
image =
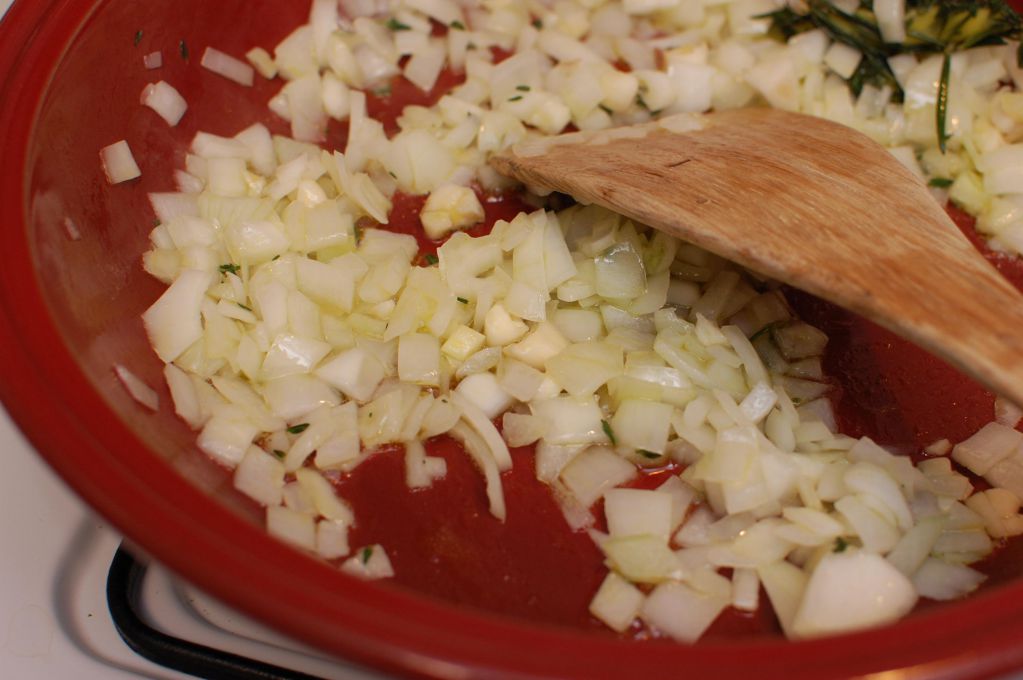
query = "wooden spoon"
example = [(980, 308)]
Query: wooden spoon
[(808, 202)]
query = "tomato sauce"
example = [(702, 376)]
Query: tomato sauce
[(443, 542)]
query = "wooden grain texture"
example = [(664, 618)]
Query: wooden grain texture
[(817, 205)]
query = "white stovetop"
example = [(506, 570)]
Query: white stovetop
[(54, 621)]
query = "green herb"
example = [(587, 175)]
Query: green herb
[(457, 25), (431, 259), (366, 554), (648, 454), (138, 37), (280, 454), (383, 91), (463, 300), (396, 25), (515, 98), (230, 268), (156, 223), (245, 307), (941, 106), (522, 88), (940, 182), (275, 257), (183, 48), (840, 545), (537, 24), (298, 429), (641, 103), (605, 109), (609, 432), (392, 174), (932, 27)]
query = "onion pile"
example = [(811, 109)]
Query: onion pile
[(300, 335)]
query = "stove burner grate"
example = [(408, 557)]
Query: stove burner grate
[(124, 583)]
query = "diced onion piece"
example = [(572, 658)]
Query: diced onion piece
[(450, 207), (325, 499), (420, 469), (296, 528), (343, 446), (184, 395), (502, 328), (632, 512), (369, 563), (293, 396), (484, 459), (425, 65), (915, 545), (572, 420), (463, 343), (642, 425), (593, 472), (331, 539), (153, 60), (483, 391), (174, 322), (226, 436), (682, 612), (262, 61), (419, 359), (118, 163), (852, 590), (843, 59), (228, 66), (891, 19), (166, 101), (620, 273), (784, 584), (139, 390), (642, 558), (985, 448), (260, 476), (939, 580), (355, 372), (521, 429), (1007, 413), (745, 589), (479, 421), (617, 602)]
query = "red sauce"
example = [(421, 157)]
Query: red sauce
[(444, 543)]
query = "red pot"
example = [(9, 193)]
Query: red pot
[(71, 76)]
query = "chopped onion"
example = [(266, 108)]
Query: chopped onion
[(153, 60), (166, 101), (118, 163), (289, 326), (139, 390), (228, 66), (369, 563), (617, 602), (293, 527)]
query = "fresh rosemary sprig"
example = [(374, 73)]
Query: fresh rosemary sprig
[(932, 27)]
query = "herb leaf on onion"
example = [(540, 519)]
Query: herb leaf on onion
[(932, 27)]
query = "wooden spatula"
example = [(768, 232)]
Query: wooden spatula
[(808, 202)]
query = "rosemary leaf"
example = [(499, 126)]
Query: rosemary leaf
[(941, 106)]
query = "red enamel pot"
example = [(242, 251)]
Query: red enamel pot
[(70, 77)]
